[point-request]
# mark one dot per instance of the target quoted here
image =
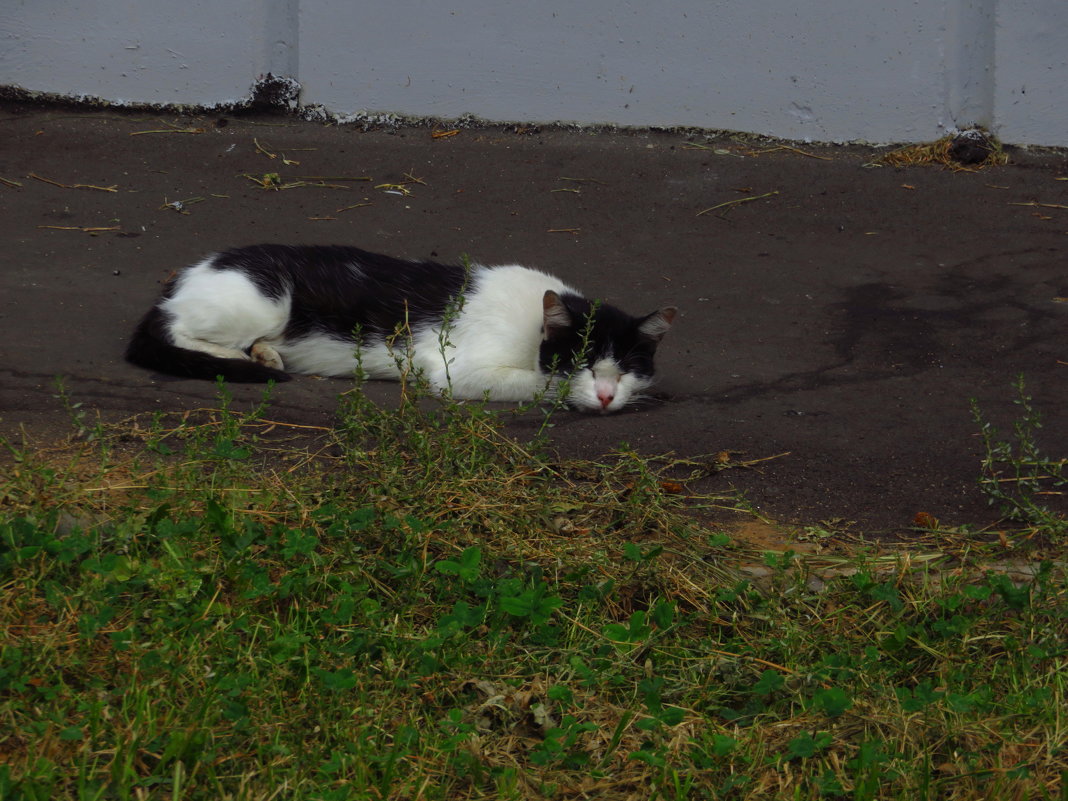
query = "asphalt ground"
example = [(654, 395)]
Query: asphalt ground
[(835, 314)]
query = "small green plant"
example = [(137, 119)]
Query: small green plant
[(554, 394), (1016, 475), (77, 413), (452, 312)]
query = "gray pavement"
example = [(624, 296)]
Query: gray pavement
[(840, 312)]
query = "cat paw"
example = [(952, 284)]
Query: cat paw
[(266, 355)]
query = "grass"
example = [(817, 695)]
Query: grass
[(412, 605)]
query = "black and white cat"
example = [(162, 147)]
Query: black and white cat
[(505, 333)]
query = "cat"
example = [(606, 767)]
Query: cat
[(505, 333)]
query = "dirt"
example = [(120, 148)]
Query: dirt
[(846, 318)]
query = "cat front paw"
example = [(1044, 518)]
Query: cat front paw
[(266, 355)]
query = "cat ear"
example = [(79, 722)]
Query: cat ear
[(657, 324), (557, 318)]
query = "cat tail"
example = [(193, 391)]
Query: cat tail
[(149, 348)]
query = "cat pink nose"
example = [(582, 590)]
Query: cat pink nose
[(605, 397)]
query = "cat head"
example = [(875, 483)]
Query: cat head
[(604, 354)]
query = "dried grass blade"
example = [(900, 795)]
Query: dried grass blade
[(1035, 203), (738, 202)]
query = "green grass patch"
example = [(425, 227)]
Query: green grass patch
[(413, 605)]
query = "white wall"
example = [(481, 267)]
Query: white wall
[(674, 62), (1030, 95), (894, 70), (132, 51)]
